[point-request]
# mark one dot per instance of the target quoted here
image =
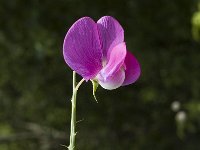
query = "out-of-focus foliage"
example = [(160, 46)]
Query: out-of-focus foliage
[(196, 24), (35, 83)]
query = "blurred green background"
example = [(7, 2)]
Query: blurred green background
[(161, 111)]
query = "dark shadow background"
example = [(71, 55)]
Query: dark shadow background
[(159, 112)]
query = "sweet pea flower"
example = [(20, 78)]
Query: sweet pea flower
[(97, 52)]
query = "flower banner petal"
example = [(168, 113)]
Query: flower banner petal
[(82, 49), (132, 69), (111, 34)]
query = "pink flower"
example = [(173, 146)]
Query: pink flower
[(97, 51)]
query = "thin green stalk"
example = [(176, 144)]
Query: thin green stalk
[(73, 112)]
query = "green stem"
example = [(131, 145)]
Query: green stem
[(73, 112)]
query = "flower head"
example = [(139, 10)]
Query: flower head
[(97, 51)]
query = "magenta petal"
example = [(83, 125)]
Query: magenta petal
[(115, 62), (132, 69), (112, 82), (82, 49), (111, 34)]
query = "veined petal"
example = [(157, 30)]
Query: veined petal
[(115, 62), (82, 49), (112, 82), (111, 34), (132, 69)]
